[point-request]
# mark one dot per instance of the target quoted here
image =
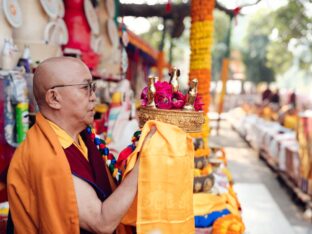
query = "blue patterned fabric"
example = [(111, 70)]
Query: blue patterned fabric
[(208, 220)]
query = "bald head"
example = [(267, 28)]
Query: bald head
[(56, 71)]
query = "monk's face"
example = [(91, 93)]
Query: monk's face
[(78, 101), (64, 92)]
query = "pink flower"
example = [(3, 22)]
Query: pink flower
[(144, 93), (198, 104), (163, 87), (144, 96), (178, 100), (163, 100), (143, 102)]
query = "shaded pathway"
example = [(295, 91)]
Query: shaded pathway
[(255, 182)]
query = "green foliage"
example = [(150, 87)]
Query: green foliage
[(221, 26), (153, 36), (290, 22), (269, 36), (180, 45), (255, 60), (255, 49), (278, 57)]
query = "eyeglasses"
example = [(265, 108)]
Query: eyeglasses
[(90, 86)]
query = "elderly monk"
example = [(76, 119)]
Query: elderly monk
[(57, 180)]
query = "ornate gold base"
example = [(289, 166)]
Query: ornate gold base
[(189, 121)]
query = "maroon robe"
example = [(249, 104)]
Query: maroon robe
[(92, 171)]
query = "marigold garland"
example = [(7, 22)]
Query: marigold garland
[(201, 43), (228, 224)]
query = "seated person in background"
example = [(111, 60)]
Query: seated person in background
[(57, 179), (293, 99), (275, 98), (266, 94)]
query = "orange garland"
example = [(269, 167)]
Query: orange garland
[(228, 224), (201, 43)]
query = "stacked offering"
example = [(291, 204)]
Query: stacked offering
[(216, 207)]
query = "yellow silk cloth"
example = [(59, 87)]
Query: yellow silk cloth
[(164, 202), (205, 203), (228, 174)]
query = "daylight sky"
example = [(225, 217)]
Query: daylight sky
[(133, 22)]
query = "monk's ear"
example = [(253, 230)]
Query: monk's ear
[(53, 99)]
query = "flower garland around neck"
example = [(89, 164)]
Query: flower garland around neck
[(116, 167)]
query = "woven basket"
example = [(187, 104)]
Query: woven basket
[(189, 121)]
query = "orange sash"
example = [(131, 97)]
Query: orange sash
[(40, 187)]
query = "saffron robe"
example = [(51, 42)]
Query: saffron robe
[(40, 187)]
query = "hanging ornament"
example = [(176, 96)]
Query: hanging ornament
[(110, 8), (97, 44), (112, 33), (12, 12), (91, 16), (168, 6), (50, 7), (61, 8)]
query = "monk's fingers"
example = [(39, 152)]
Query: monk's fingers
[(152, 132), (149, 135)]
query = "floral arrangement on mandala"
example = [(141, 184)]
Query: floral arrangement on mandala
[(166, 98), (163, 101)]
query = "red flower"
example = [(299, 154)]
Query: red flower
[(163, 87), (178, 100), (163, 100), (198, 104)]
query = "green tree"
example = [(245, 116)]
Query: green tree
[(255, 49), (153, 36), (290, 23), (179, 45), (255, 60)]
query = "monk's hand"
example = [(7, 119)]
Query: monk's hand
[(152, 132), (149, 135)]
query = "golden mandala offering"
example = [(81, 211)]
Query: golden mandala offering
[(162, 101), (189, 121)]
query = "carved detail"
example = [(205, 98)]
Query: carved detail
[(189, 121), (174, 79), (191, 96)]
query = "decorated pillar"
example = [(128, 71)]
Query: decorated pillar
[(201, 43), (200, 59)]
